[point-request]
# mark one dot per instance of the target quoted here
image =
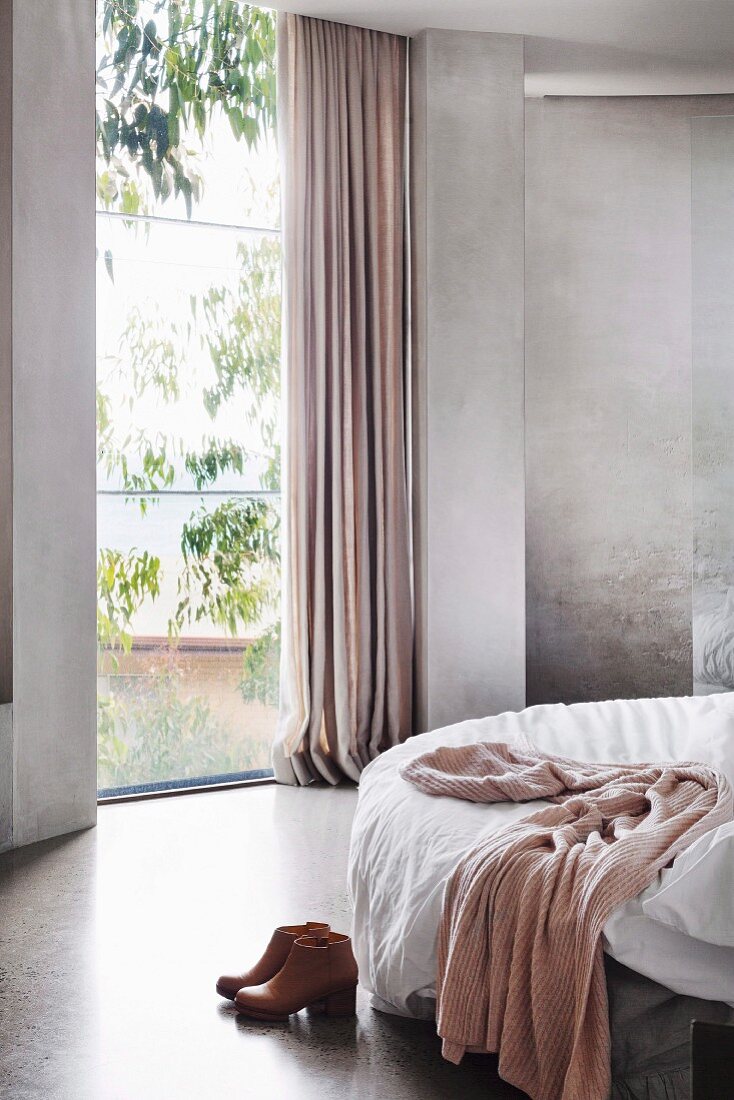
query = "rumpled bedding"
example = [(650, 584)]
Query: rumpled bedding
[(520, 963), (405, 844)]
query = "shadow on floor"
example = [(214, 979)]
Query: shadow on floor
[(373, 1055)]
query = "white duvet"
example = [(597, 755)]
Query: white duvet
[(713, 642), (405, 844)]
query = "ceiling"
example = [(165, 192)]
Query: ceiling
[(686, 28), (634, 46)]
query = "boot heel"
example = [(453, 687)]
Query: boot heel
[(343, 1003)]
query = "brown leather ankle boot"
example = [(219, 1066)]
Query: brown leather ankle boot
[(320, 972), (272, 960)]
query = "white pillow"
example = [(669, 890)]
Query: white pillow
[(696, 894), (710, 738)]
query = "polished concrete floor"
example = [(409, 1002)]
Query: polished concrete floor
[(110, 942)]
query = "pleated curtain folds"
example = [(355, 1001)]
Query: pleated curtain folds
[(346, 665)]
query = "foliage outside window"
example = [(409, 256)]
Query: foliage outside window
[(170, 74)]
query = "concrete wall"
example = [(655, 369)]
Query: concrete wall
[(608, 396), (557, 67), (53, 378), (6, 776), (713, 354), (607, 550), (6, 422), (467, 179), (6, 451)]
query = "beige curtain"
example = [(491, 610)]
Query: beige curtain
[(346, 669)]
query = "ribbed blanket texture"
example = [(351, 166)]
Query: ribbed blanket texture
[(520, 966)]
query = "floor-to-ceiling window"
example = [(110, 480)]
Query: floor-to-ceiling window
[(188, 389)]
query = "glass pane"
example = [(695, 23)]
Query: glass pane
[(197, 701), (188, 480), (188, 345), (188, 390), (211, 76)]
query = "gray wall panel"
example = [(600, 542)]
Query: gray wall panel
[(713, 397), (6, 423), (467, 170), (54, 683), (6, 254), (608, 396), (713, 352)]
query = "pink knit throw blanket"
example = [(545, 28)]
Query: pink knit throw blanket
[(520, 966)]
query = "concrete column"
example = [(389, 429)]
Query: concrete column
[(467, 166), (47, 196), (6, 452)]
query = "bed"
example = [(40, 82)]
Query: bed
[(406, 843), (713, 642)]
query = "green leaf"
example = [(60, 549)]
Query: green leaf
[(250, 129), (150, 37), (216, 54), (158, 130)]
